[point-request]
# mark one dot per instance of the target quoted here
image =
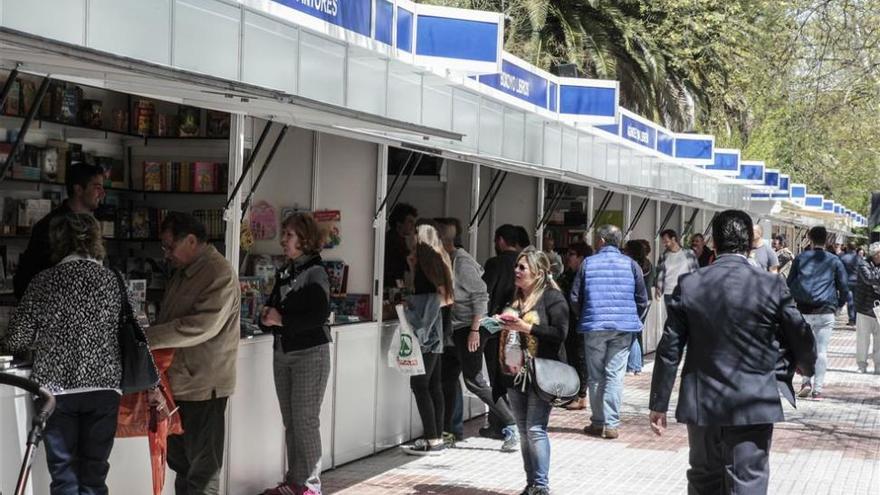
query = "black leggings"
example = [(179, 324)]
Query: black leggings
[(428, 391)]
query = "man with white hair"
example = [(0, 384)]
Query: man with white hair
[(867, 291)]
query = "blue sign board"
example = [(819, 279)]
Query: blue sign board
[(519, 83), (353, 15), (760, 195), (837, 209), (384, 21), (693, 148), (780, 195), (814, 200), (771, 178), (784, 181), (798, 191), (725, 161), (751, 172), (461, 39), (610, 128), (587, 100), (665, 143), (828, 205), (405, 20), (637, 132), (553, 97)]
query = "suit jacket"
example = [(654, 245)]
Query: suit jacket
[(744, 337)]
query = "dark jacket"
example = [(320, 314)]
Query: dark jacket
[(744, 339), (302, 295), (867, 289), (818, 282), (609, 292), (37, 256), (70, 317), (850, 262), (551, 313), (499, 278)]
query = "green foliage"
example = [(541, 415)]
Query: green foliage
[(795, 83)]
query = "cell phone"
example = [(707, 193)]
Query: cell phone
[(507, 317)]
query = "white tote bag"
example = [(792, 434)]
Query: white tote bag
[(404, 351)]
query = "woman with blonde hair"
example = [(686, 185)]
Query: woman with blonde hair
[(432, 289), (534, 325)]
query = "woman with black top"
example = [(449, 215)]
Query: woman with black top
[(432, 290), (535, 325), (297, 313)]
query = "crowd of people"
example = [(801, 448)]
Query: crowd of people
[(585, 306)]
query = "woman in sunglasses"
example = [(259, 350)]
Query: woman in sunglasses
[(535, 324)]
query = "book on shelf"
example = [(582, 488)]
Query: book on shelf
[(337, 273), (200, 177), (140, 223), (152, 176)]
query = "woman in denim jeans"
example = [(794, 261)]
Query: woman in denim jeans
[(537, 321)]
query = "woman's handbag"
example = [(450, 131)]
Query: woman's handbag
[(138, 368), (554, 381)]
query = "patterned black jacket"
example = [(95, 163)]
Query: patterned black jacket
[(70, 317)]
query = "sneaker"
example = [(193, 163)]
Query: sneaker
[(511, 439), (526, 491), (805, 391), (449, 439), (421, 447), (489, 432), (577, 404), (594, 430), (816, 395), (610, 433), (539, 490), (309, 491), (282, 489), (862, 370)]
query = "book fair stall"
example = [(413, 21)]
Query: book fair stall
[(244, 111)]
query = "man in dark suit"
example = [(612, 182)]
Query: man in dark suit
[(745, 337)]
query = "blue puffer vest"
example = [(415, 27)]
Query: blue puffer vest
[(608, 293)]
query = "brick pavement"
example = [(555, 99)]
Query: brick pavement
[(824, 447)]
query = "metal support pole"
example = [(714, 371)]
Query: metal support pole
[(474, 230), (249, 164), (539, 229), (7, 87), (412, 170), (482, 203), (393, 183), (247, 200), (492, 198)]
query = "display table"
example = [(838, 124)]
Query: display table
[(368, 407)]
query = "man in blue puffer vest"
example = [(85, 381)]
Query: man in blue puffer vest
[(610, 297)]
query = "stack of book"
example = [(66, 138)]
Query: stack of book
[(205, 177)]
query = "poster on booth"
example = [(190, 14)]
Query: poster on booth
[(329, 220), (264, 221), (404, 351)]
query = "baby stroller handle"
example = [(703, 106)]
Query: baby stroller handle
[(47, 405)]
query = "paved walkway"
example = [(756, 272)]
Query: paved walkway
[(828, 446)]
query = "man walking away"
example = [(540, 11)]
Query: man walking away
[(744, 338), (609, 296), (850, 260), (818, 284), (471, 304), (867, 327), (674, 262), (199, 318), (499, 279)]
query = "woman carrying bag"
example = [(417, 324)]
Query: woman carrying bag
[(297, 314), (533, 332), (70, 317)]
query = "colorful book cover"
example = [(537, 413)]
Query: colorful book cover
[(337, 272), (140, 223), (204, 176), (152, 176), (329, 221)]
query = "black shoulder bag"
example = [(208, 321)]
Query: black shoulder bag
[(554, 381), (138, 368)]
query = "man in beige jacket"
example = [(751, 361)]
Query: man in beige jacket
[(199, 318)]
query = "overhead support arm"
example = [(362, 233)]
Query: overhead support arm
[(638, 216), (247, 201), (248, 165), (554, 202), (708, 230), (498, 179), (394, 183), (19, 140), (666, 219), (412, 170), (606, 199), (7, 87), (689, 226)]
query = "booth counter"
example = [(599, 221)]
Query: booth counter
[(368, 407)]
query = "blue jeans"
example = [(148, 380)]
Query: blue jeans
[(606, 354), (822, 325), (634, 363), (532, 415), (850, 305)]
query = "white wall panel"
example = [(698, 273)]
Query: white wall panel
[(322, 64), (355, 398), (569, 161), (132, 28), (62, 20), (465, 117), (404, 95), (491, 123), (437, 104), (514, 134), (206, 37), (534, 145), (552, 145), (269, 53), (367, 79)]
